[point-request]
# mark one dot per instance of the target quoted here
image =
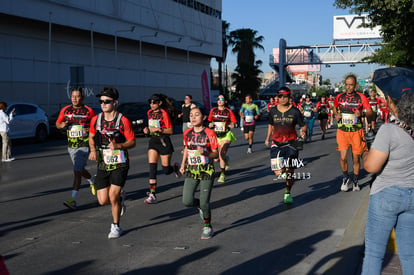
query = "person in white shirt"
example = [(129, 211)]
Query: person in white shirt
[(4, 129)]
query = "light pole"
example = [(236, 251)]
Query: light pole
[(116, 41), (140, 45), (166, 43), (192, 46)]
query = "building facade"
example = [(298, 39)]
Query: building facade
[(140, 47)]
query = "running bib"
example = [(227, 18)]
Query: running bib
[(277, 164), (154, 123), (112, 157), (195, 158), (374, 108), (76, 131), (307, 113), (349, 119), (219, 126), (249, 118)]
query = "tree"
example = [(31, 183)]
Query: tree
[(246, 76), (396, 21), (225, 43)]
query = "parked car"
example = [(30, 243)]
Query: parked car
[(29, 121), (136, 112)]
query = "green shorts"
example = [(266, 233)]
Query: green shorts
[(229, 136)]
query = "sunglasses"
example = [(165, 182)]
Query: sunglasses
[(280, 96), (106, 101), (221, 99)]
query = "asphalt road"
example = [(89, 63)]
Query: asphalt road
[(255, 233)]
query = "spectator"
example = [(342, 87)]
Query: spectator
[(4, 129)]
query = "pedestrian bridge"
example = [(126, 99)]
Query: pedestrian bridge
[(326, 54)]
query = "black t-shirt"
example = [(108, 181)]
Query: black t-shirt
[(285, 124)]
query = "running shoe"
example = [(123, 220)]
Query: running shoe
[(201, 213), (92, 185), (323, 136), (177, 170), (116, 232), (70, 203), (8, 160), (122, 196), (151, 198), (249, 151), (288, 198), (222, 178), (207, 233), (346, 185), (356, 187)]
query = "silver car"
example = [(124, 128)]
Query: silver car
[(29, 121)]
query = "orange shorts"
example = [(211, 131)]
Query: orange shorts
[(354, 139)]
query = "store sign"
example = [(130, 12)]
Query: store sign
[(349, 27)]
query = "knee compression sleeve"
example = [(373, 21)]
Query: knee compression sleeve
[(153, 170)]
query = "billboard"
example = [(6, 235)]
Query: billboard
[(348, 27)]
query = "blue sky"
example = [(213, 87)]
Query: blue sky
[(299, 22)]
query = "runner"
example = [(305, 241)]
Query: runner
[(222, 119), (348, 113), (271, 104), (199, 151), (111, 135), (322, 108), (249, 112), (385, 112), (159, 128), (185, 114), (371, 121), (309, 112), (76, 119), (282, 130), (331, 102)]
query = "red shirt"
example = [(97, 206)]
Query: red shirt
[(158, 119), (348, 104)]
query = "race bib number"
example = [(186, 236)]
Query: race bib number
[(249, 118), (76, 131), (276, 164), (307, 113), (219, 126), (195, 158), (154, 123), (112, 157), (349, 119), (374, 108)]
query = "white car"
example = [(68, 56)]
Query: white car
[(29, 121)]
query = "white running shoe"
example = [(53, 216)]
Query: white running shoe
[(151, 198), (249, 150), (346, 185), (116, 232), (207, 233), (355, 187)]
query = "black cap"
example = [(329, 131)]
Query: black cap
[(109, 92), (394, 81)]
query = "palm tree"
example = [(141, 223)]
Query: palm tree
[(225, 43), (246, 78)]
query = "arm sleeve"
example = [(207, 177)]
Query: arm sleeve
[(210, 116)]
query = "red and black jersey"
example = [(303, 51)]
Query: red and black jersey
[(80, 116), (206, 139), (284, 124), (109, 127), (158, 119), (225, 115), (349, 104), (374, 102), (322, 107)]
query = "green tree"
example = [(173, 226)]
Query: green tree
[(396, 21), (246, 77), (222, 59)]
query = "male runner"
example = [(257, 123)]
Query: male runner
[(249, 112), (348, 109), (76, 119)]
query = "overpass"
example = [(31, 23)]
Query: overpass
[(350, 53)]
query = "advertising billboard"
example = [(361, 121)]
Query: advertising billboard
[(348, 27)]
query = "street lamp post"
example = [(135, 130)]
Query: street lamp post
[(116, 41), (140, 45), (166, 43), (192, 46)]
